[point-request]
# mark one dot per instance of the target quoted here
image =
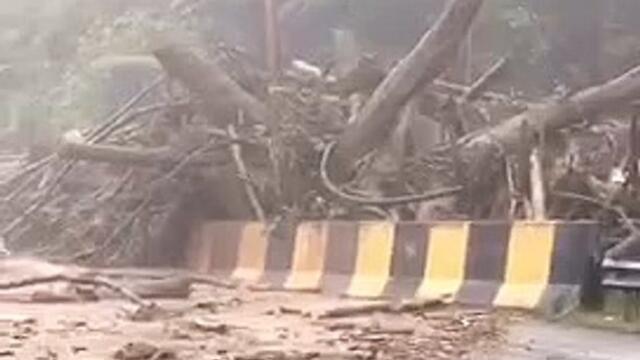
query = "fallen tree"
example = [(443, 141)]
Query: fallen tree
[(479, 150)]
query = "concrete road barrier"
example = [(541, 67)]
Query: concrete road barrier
[(523, 265)]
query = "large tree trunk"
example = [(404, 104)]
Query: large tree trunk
[(430, 57), (221, 96)]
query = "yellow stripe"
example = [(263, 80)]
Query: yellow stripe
[(308, 257), (251, 252), (373, 263), (528, 265), (445, 260)]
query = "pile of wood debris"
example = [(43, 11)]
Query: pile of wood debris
[(229, 141)]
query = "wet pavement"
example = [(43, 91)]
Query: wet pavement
[(538, 340)]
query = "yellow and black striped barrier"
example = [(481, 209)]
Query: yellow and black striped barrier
[(520, 264)]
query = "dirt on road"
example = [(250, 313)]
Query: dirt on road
[(246, 325)]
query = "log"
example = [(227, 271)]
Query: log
[(135, 156), (221, 96), (116, 154), (431, 56), (385, 306)]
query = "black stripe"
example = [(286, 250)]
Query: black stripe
[(574, 245), (279, 256), (486, 262), (341, 255), (408, 259)]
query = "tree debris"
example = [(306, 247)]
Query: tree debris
[(219, 138)]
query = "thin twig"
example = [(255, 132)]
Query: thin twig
[(105, 126), (236, 151), (22, 187), (31, 168), (460, 90), (124, 292), (133, 115), (36, 205), (483, 81), (392, 201), (103, 196), (120, 229)]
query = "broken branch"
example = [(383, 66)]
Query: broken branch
[(236, 151)]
